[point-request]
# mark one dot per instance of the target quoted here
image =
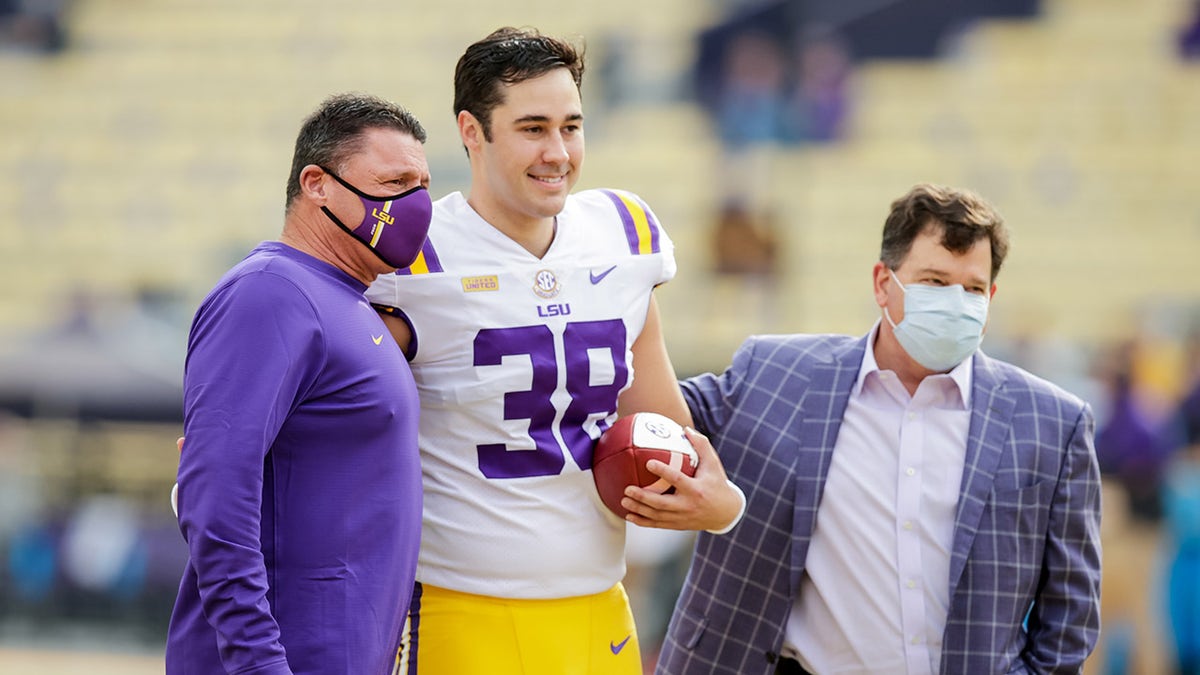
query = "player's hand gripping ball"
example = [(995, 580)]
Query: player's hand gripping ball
[(622, 451)]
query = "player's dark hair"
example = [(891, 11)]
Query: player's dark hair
[(335, 130), (508, 56), (961, 216)]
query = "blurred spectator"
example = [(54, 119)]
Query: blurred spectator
[(1151, 590), (819, 102), (1182, 517), (749, 106), (745, 246), (101, 548), (32, 25), (1183, 428), (744, 242), (759, 95), (616, 70), (32, 563), (768, 81), (1183, 574), (1189, 35), (751, 101), (1128, 446)]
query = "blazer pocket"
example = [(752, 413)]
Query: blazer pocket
[(1020, 505), (1012, 534), (691, 630)]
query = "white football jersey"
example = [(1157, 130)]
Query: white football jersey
[(519, 361)]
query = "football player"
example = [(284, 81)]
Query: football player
[(530, 323)]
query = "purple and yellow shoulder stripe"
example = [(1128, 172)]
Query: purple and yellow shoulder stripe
[(641, 229), (426, 263)]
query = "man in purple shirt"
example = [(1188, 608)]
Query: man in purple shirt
[(300, 490)]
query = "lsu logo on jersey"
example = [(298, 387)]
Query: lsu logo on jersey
[(560, 309), (545, 284)]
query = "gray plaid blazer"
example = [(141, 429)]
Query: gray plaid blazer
[(1025, 567)]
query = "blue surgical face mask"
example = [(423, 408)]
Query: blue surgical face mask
[(942, 325), (394, 228)]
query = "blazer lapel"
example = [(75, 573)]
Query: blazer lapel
[(991, 414), (822, 404)]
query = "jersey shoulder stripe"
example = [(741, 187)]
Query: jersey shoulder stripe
[(427, 262), (641, 228)]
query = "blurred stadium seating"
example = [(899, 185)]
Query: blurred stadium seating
[(148, 156)]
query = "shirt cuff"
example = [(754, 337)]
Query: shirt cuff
[(741, 511)]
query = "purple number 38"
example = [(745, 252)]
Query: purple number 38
[(582, 340)]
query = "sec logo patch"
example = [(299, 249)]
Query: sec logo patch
[(545, 284)]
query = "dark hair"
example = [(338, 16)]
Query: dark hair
[(961, 216), (508, 56), (334, 132)]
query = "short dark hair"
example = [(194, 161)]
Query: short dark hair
[(508, 56), (961, 216), (334, 132)]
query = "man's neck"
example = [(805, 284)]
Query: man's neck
[(889, 355), (305, 235), (533, 235)]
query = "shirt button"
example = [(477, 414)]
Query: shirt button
[(910, 471), (911, 584), (912, 416), (916, 640), (907, 525)]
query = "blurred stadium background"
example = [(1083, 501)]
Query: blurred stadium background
[(145, 150)]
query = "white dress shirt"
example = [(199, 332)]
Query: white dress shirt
[(875, 592)]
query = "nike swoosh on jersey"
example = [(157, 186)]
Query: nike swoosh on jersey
[(377, 340), (616, 647), (597, 278)]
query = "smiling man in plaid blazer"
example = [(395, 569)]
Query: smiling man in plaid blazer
[(913, 505)]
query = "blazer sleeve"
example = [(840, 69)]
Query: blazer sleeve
[(1064, 623), (713, 398)]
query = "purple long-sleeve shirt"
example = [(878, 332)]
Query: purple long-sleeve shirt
[(299, 482)]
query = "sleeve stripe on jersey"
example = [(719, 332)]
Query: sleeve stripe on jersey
[(426, 262), (640, 227)]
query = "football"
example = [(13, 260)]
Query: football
[(622, 451)]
